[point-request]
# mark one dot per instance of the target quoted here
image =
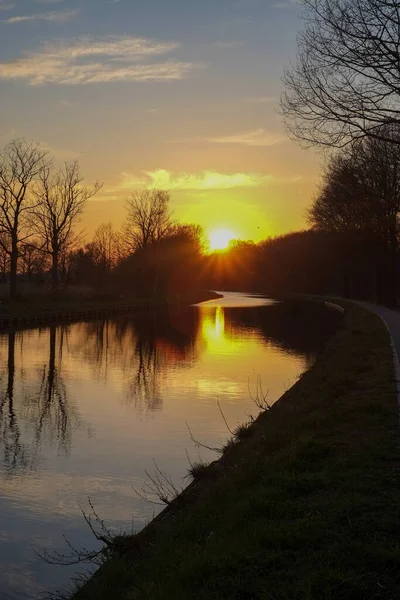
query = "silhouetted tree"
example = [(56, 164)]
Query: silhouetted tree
[(4, 255), (148, 219), (166, 267), (61, 198), (33, 261), (21, 164), (346, 81), (361, 194), (81, 268), (179, 264), (105, 251)]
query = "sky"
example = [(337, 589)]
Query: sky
[(178, 94)]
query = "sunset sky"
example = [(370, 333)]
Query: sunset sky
[(170, 93)]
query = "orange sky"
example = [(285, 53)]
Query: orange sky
[(179, 95)]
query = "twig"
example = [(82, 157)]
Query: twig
[(160, 486), (223, 416), (260, 399), (81, 555), (199, 444)]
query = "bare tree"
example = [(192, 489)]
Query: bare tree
[(4, 255), (105, 247), (148, 219), (33, 260), (61, 198), (346, 81), (21, 163)]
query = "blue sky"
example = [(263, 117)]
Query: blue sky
[(175, 93)]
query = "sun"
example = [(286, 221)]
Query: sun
[(220, 238)]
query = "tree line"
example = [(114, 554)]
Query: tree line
[(351, 248), (40, 208)]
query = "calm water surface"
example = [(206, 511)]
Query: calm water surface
[(86, 408)]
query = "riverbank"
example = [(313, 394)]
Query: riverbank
[(305, 506), (45, 308)]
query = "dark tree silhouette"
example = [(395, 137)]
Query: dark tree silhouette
[(148, 219), (4, 255), (33, 261), (166, 267), (61, 198), (346, 80), (21, 164), (361, 194), (104, 252)]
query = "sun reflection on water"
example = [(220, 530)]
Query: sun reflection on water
[(218, 337)]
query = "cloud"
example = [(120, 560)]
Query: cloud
[(56, 16), (96, 60), (257, 137), (205, 180)]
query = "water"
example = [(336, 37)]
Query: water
[(85, 408)]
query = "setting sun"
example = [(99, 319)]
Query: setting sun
[(220, 239)]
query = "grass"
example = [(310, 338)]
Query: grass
[(243, 431), (307, 508), (199, 469)]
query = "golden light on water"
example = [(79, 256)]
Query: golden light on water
[(220, 238), (218, 340)]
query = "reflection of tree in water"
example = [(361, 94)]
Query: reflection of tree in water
[(42, 406), (51, 412), (143, 346), (164, 338), (15, 455), (147, 367)]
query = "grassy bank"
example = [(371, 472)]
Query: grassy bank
[(306, 506), (48, 305)]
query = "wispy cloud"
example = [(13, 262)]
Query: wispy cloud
[(257, 137), (60, 16), (205, 180), (96, 60)]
